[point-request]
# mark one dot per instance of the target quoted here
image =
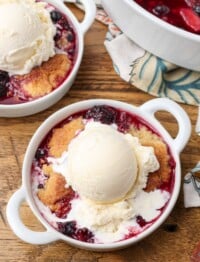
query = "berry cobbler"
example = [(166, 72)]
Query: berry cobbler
[(37, 52), (102, 175), (181, 13)]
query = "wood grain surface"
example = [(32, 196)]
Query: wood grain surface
[(96, 79)]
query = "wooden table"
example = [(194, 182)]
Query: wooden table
[(96, 79)]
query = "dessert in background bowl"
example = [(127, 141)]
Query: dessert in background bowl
[(40, 53), (184, 14), (167, 29), (101, 174)]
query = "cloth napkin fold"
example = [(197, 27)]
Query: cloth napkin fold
[(157, 77), (197, 129), (191, 187)]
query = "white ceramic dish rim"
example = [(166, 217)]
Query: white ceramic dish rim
[(146, 111), (80, 30), (161, 23)]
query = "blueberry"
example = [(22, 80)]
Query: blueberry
[(55, 16), (40, 153), (3, 90), (197, 9), (161, 10), (70, 37)]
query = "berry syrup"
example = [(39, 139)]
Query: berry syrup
[(181, 13), (106, 115), (65, 42)]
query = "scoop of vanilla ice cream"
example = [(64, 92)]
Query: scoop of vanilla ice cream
[(101, 165), (26, 33)]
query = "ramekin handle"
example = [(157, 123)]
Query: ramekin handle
[(177, 111), (16, 224), (90, 13)]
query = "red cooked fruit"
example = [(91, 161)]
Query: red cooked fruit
[(191, 19), (85, 235), (124, 121), (184, 14), (140, 220), (70, 229), (64, 205)]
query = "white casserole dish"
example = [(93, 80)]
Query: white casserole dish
[(146, 111), (154, 35)]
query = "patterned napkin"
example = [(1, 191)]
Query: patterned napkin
[(157, 77), (197, 129), (146, 71), (191, 187)]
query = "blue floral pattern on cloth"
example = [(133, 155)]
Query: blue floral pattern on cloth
[(191, 177), (161, 78)]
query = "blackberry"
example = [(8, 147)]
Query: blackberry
[(3, 90), (68, 228), (104, 114), (4, 78)]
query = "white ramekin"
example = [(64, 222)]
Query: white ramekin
[(154, 35), (146, 111), (35, 106)]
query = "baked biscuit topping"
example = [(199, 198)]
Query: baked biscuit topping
[(62, 136), (162, 175), (45, 78), (54, 189)]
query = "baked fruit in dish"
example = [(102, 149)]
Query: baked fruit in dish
[(18, 87), (184, 14), (102, 175)]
